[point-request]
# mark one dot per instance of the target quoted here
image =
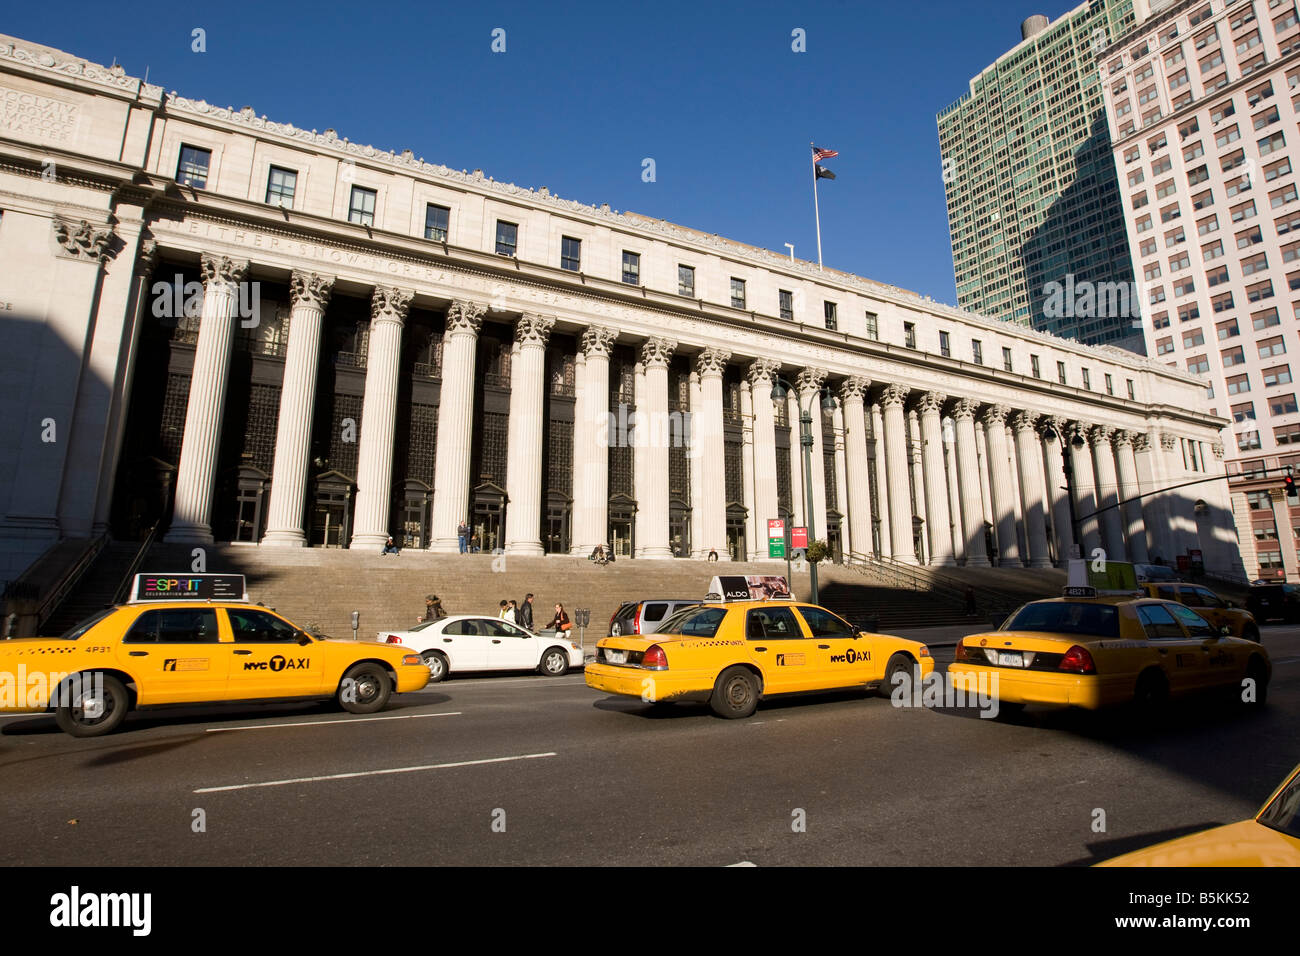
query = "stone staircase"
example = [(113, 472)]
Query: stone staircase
[(96, 589)]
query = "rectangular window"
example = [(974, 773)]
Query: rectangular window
[(1268, 348), (738, 293), (909, 334), (1265, 320), (436, 220), (1110, 384), (280, 186), (1227, 330), (830, 312), (1087, 380), (1006, 360), (361, 209), (1198, 365), (1238, 384), (873, 326), (1193, 338), (1165, 346), (192, 170), (686, 281), (507, 237), (1271, 144), (786, 304), (1132, 393), (1034, 368), (977, 351), (1189, 312), (1060, 373), (631, 267), (1233, 356), (570, 254), (1281, 375), (945, 348), (1283, 405)]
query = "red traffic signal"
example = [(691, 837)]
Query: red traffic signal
[(1289, 483)]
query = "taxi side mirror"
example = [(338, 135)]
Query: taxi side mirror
[(1225, 631), (304, 639)]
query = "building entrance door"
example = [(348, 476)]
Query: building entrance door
[(557, 529)]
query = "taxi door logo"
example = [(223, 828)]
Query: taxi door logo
[(279, 663), (850, 657), (790, 660)]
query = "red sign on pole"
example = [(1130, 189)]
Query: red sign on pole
[(798, 538)]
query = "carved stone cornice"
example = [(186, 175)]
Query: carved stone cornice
[(931, 403), (712, 362), (964, 409), (657, 352), (78, 239), (811, 379), (762, 370), (390, 304), (48, 58), (534, 330), (995, 415), (598, 340), (854, 388), (893, 394), (1025, 422), (465, 316), (310, 290), (217, 270)]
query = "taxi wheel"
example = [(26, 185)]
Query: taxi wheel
[(98, 707), (555, 663), (437, 665), (365, 688), (1152, 691), (735, 695), (900, 664)]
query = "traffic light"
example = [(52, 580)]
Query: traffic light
[(1289, 483)]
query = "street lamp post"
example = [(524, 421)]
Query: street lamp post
[(780, 389), (1067, 465)]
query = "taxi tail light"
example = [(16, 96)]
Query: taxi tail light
[(655, 659), (963, 653), (1077, 660), (393, 639)]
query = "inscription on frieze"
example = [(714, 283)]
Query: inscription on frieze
[(32, 116)]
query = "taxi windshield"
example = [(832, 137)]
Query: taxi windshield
[(693, 622), (1283, 814), (81, 627), (1065, 617)]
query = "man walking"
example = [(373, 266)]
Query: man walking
[(462, 536), (526, 613)]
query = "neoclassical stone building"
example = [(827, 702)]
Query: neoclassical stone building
[(240, 330)]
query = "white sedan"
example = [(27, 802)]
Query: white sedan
[(466, 642)]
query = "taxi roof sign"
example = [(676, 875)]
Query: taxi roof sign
[(1100, 577), (188, 587), (728, 588)]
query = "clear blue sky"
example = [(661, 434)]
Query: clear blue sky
[(586, 90)]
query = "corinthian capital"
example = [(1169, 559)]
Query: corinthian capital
[(964, 409), (893, 394), (931, 403), (1054, 426), (1025, 421), (1167, 442), (80, 240), (657, 352), (465, 316), (310, 290), (711, 362), (1141, 441), (854, 388), (598, 341), (1102, 435), (762, 370), (811, 379), (995, 415), (389, 304), (534, 329), (1123, 437), (221, 270)]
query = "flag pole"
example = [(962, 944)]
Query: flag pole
[(817, 212)]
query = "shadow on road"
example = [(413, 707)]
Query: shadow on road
[(1104, 850)]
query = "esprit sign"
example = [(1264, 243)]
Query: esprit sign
[(188, 587)]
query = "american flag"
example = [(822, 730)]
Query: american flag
[(819, 154)]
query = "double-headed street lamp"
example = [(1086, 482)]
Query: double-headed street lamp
[(1067, 464), (780, 390)]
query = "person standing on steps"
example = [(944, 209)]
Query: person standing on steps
[(525, 616), (462, 536)]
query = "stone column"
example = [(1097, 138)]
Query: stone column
[(882, 481), (1108, 494), (1029, 456), (842, 483), (527, 397), (388, 309), (697, 464), (972, 505), (766, 504), (591, 438), (1055, 432), (954, 488), (652, 454), (896, 460), (451, 477), (710, 366), (1155, 516), (309, 296), (809, 384), (1085, 484), (938, 520), (1001, 486), (798, 500), (753, 533), (192, 515), (641, 431), (856, 482), (916, 474), (581, 438), (1129, 488)]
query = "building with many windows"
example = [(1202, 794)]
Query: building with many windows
[(1213, 218), (1030, 186), (229, 328)]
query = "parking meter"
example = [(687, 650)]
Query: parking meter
[(356, 623)]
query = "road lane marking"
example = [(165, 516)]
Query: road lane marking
[(494, 681), (1287, 660), (372, 773), (317, 723)]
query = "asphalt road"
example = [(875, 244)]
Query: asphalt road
[(532, 770)]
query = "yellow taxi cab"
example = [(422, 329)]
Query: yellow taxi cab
[(1270, 838), (192, 639), (748, 641), (1093, 650), (1203, 601)]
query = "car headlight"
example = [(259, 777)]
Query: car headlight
[(412, 659), (924, 651)]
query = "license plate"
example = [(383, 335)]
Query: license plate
[(616, 657), (1012, 659)]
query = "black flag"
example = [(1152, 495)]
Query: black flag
[(824, 173)]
